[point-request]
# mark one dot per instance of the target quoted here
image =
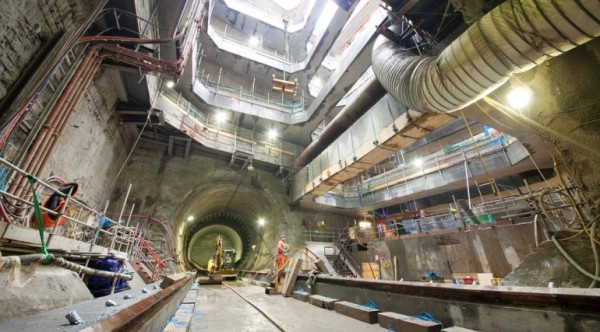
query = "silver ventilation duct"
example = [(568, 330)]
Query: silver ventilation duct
[(514, 37)]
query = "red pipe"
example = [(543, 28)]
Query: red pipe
[(4, 214), (162, 223), (41, 149), (66, 115), (15, 187)]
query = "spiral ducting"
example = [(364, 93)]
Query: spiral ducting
[(514, 37)]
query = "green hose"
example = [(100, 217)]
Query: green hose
[(38, 214), (572, 261)]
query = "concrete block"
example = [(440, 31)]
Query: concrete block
[(181, 320), (171, 279), (457, 329), (406, 323), (271, 291), (322, 301), (357, 311), (190, 297), (302, 296)]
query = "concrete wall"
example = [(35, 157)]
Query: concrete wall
[(173, 188), (496, 250)]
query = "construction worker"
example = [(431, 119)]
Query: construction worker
[(281, 252)]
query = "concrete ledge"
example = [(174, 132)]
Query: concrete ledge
[(357, 311), (322, 301), (302, 296), (181, 320), (190, 297), (404, 323)]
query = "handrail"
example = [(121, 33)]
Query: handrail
[(247, 95), (119, 233), (431, 164)]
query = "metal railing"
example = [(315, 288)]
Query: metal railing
[(120, 236), (272, 15), (293, 106), (432, 163), (260, 146)]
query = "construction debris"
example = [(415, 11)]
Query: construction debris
[(74, 318), (110, 303)]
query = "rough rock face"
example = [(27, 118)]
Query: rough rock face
[(546, 264), (27, 25), (472, 10), (566, 100)]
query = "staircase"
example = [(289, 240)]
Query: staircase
[(146, 262), (342, 260)]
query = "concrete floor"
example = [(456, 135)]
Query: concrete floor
[(90, 311), (218, 308)]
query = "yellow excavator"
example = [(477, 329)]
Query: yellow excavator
[(222, 260)]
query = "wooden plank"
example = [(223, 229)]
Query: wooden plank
[(399, 322), (29, 235), (357, 311), (370, 270), (3, 226), (302, 296), (57, 242), (321, 266), (322, 301), (291, 276)]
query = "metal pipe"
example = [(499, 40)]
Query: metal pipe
[(112, 243), (370, 94), (49, 127), (61, 123), (127, 226), (46, 136), (10, 261), (514, 37)]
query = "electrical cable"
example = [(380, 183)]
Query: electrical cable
[(596, 256), (572, 261)]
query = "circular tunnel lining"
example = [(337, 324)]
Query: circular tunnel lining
[(200, 239)]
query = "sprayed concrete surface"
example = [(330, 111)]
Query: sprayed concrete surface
[(90, 311), (34, 288), (218, 308), (546, 264)]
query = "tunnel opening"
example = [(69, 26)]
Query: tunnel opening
[(200, 240)]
